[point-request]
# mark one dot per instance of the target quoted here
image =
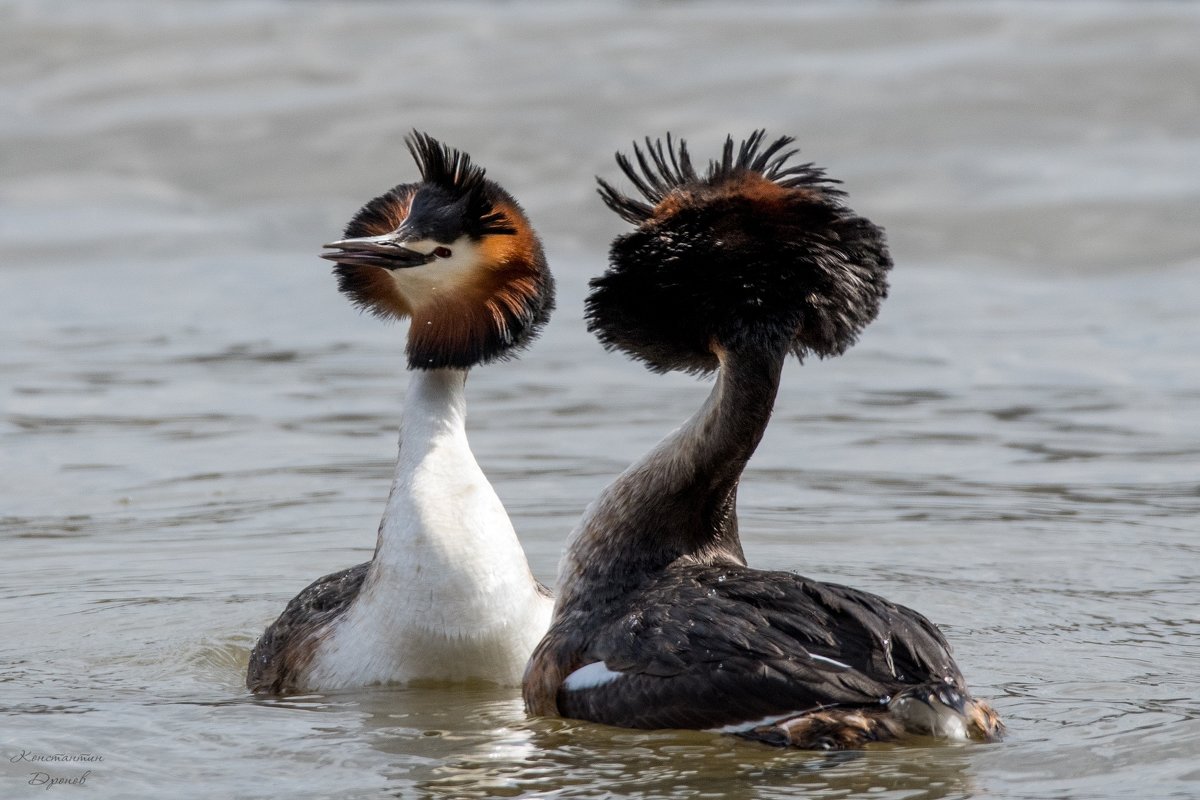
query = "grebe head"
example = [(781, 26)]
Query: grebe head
[(456, 254), (753, 251)]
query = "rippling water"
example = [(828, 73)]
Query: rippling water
[(195, 424)]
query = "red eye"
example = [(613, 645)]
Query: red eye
[(442, 252)]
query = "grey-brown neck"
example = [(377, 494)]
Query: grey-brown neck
[(679, 501)]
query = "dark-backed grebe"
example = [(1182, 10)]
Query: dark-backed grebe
[(448, 595), (659, 622)]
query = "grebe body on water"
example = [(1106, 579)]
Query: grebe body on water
[(659, 622), (448, 595)]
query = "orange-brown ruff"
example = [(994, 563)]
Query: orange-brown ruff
[(659, 623), (448, 595)]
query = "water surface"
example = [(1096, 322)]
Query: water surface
[(194, 424)]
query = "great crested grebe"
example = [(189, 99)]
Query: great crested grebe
[(448, 595), (659, 622)]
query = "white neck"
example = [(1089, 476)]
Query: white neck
[(449, 594), (434, 464)]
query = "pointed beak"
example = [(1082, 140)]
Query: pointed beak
[(387, 251)]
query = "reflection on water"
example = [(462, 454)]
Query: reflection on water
[(477, 743), (194, 425)]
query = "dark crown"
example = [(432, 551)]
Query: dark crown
[(754, 252), (453, 172)]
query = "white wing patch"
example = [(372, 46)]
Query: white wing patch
[(837, 664), (590, 676), (742, 727)]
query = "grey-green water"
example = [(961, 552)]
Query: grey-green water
[(195, 425)]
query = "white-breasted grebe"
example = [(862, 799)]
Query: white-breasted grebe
[(659, 623), (448, 595)]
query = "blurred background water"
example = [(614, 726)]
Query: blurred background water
[(195, 424)]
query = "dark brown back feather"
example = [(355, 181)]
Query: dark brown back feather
[(285, 650), (709, 646)]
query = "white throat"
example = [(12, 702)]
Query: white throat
[(449, 594), (443, 277)]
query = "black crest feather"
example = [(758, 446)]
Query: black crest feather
[(756, 251), (661, 169), (444, 166), (453, 171)]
